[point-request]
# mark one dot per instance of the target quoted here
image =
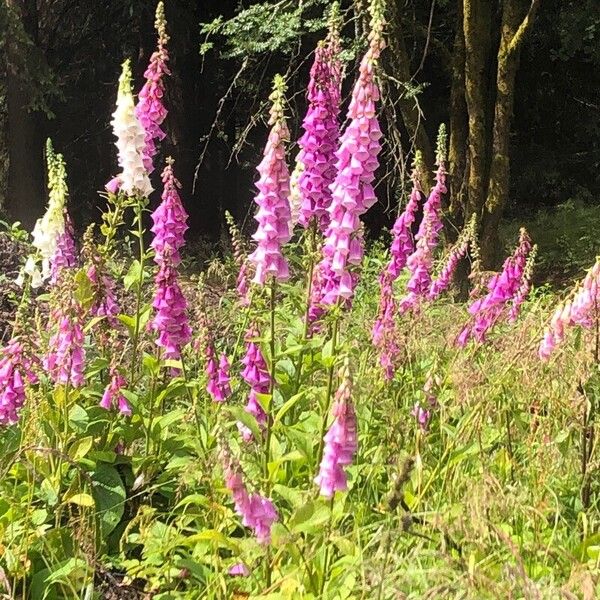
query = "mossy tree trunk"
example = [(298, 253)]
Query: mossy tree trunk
[(517, 17), (26, 195)]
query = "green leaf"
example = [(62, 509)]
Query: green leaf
[(287, 406), (109, 494), (240, 414), (310, 518), (79, 448)]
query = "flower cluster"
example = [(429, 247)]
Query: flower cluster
[(218, 385), (131, 142), (273, 215), (169, 219), (65, 361), (150, 110), (256, 375), (321, 132), (341, 440), (50, 234), (65, 254), (384, 334), (242, 282), (457, 253), (16, 367), (113, 394), (420, 262), (504, 290), (170, 321), (581, 308), (352, 189), (257, 512)]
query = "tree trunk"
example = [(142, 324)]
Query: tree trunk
[(26, 195), (477, 17), (517, 18), (399, 68), (457, 153)]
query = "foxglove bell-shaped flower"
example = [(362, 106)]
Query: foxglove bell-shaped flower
[(170, 321), (503, 288), (257, 512), (65, 361), (170, 219), (150, 110), (580, 309), (321, 133), (65, 255), (16, 368), (131, 141), (420, 262), (352, 189), (113, 394), (49, 232), (273, 215), (340, 441), (218, 386)]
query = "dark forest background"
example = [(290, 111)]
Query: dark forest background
[(61, 61)]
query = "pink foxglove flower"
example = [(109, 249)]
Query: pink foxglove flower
[(170, 320), (352, 189), (16, 368), (150, 109), (65, 361), (170, 219), (384, 333), (420, 262), (130, 142), (239, 570), (321, 133), (257, 512), (218, 386), (113, 394), (341, 440), (105, 300), (503, 288), (257, 376), (273, 215), (580, 309), (458, 251), (65, 254)]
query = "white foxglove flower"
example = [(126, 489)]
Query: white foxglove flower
[(131, 140), (295, 196)]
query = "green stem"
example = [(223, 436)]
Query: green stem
[(328, 393), (272, 384), (327, 547), (138, 301)]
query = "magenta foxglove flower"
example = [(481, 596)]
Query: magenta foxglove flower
[(321, 132), (65, 361), (352, 189), (150, 110), (384, 333), (218, 386), (256, 374), (341, 441), (170, 219), (421, 415), (170, 320), (257, 512), (113, 394), (273, 215), (456, 254), (65, 254), (420, 262), (16, 368), (502, 290)]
